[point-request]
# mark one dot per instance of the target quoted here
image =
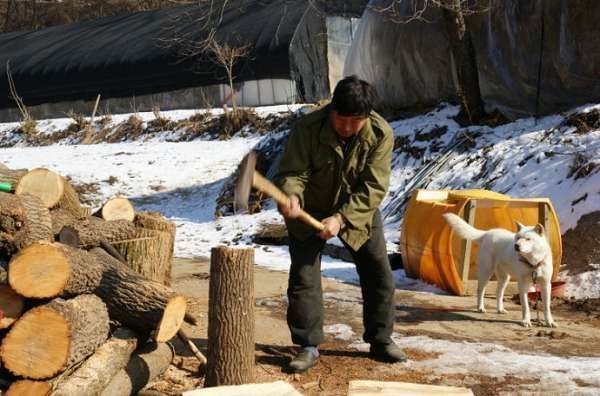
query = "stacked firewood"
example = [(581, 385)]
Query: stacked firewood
[(85, 306)]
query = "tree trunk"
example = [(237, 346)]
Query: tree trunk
[(148, 363), (70, 202), (93, 230), (231, 317), (44, 270), (50, 338), (12, 175), (147, 253), (29, 388), (11, 305), (156, 221), (117, 208), (465, 63), (23, 220), (97, 371)]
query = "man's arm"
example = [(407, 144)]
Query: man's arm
[(371, 186), (294, 166)]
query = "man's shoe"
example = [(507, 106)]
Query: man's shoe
[(303, 361), (389, 353)]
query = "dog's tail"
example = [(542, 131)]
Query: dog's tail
[(462, 228)]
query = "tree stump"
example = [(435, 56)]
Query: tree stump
[(146, 364), (231, 317), (116, 208), (23, 220), (50, 338), (92, 230), (11, 305), (45, 270), (148, 254), (156, 221), (98, 371)]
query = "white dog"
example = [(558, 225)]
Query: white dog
[(526, 256)]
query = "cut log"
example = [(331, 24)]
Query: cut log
[(70, 202), (156, 221), (11, 306), (23, 220), (92, 230), (116, 208), (50, 338), (98, 371), (12, 176), (29, 388), (45, 270), (48, 186), (147, 253), (231, 317), (145, 365)]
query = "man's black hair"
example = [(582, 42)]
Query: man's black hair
[(354, 97)]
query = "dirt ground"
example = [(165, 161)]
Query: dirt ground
[(436, 316)]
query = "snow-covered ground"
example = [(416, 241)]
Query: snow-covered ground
[(525, 158)]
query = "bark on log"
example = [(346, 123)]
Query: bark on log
[(12, 175), (147, 253), (11, 305), (156, 221), (92, 230), (23, 220), (145, 365), (116, 208), (70, 202), (46, 270), (231, 317), (49, 339), (29, 388), (98, 371)]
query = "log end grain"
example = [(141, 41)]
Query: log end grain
[(40, 270), (118, 208), (29, 388), (11, 305), (37, 346), (172, 319), (48, 186)]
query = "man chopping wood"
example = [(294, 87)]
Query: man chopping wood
[(336, 167)]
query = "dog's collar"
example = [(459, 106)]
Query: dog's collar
[(525, 261)]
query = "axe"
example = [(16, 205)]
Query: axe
[(249, 177)]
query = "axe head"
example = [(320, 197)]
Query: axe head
[(243, 185)]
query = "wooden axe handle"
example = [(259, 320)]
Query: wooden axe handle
[(265, 186)]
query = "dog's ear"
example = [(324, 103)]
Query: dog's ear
[(539, 229), (519, 226)]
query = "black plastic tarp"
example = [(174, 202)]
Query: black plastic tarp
[(534, 56), (134, 54)]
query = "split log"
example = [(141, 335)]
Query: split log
[(23, 220), (116, 208), (45, 270), (156, 221), (51, 338), (12, 176), (231, 317), (11, 305), (145, 365), (53, 190), (29, 388), (147, 253), (92, 230), (98, 371)]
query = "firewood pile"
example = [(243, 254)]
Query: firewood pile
[(85, 306)]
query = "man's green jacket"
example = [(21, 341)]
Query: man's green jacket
[(330, 177)]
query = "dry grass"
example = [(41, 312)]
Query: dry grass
[(585, 122), (131, 128), (581, 167)]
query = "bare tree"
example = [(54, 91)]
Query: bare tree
[(455, 13), (227, 56)]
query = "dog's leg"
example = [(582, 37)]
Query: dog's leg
[(523, 289), (503, 280), (485, 268), (545, 287)]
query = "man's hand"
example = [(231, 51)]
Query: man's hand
[(292, 210), (332, 224)]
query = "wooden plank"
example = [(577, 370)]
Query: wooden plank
[(378, 388), (469, 215), (278, 388), (544, 218), (490, 289)]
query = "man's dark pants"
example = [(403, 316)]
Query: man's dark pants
[(305, 295)]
